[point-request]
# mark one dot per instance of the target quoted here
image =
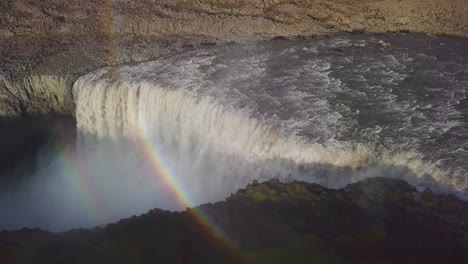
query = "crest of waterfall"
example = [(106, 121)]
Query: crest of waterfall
[(197, 126), (210, 141)]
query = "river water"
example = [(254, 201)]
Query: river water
[(194, 127)]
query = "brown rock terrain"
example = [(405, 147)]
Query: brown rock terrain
[(228, 19), (45, 45)]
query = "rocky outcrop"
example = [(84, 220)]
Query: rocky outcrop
[(55, 41), (374, 221), (39, 94), (30, 108), (38, 79)]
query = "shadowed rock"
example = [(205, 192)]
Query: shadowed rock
[(374, 221)]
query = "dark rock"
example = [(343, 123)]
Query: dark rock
[(279, 38), (374, 221)]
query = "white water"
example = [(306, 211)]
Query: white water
[(219, 118), (214, 149)]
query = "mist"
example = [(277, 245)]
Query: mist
[(176, 159), (196, 127)]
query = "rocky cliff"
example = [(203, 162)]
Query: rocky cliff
[(374, 221)]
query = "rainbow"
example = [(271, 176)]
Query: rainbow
[(85, 188), (108, 27), (90, 195), (160, 168), (143, 141)]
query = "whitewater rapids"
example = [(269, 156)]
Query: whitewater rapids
[(223, 117), (212, 120)]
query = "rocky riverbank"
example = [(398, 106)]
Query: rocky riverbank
[(46, 45), (373, 221)]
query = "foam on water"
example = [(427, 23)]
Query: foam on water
[(281, 114), (319, 111)]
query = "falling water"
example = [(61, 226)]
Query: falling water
[(207, 122)]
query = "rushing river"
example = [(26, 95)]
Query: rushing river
[(194, 127)]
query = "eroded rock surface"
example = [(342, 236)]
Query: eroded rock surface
[(229, 19), (54, 41)]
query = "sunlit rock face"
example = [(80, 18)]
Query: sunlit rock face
[(228, 19), (194, 127), (46, 45)]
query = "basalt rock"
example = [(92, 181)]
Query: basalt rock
[(374, 221)]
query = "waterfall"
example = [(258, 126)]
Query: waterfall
[(195, 127), (214, 148)]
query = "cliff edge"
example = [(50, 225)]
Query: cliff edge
[(374, 221)]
